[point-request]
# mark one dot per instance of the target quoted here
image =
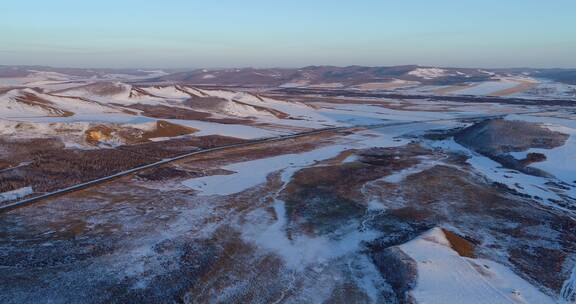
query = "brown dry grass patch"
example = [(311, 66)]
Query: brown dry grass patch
[(97, 133), (168, 129), (464, 247)]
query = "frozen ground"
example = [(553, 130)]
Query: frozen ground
[(394, 214)]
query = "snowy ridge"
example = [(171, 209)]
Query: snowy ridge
[(126, 95), (293, 109), (28, 103), (10, 107), (243, 110), (170, 92), (428, 73), (49, 75), (97, 89), (77, 105)]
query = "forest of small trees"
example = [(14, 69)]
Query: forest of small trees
[(50, 167)]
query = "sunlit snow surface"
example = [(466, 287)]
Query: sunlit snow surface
[(446, 277), (428, 73), (559, 161)]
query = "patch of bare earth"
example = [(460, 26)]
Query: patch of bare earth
[(461, 245), (98, 133), (129, 135), (168, 129)]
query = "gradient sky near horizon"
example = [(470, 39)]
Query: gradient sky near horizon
[(265, 33)]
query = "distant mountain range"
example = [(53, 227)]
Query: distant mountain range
[(349, 75), (406, 79)]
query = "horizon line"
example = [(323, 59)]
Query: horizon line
[(285, 68)]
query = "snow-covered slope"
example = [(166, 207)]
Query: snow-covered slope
[(446, 277), (28, 102), (112, 92), (294, 110), (170, 92)]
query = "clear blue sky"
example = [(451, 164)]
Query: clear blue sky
[(264, 33)]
